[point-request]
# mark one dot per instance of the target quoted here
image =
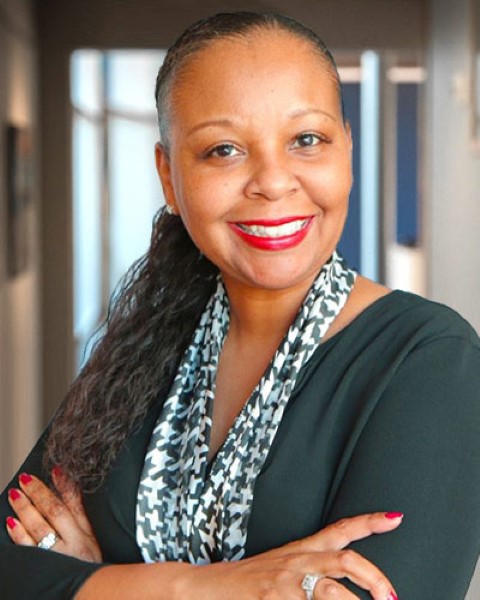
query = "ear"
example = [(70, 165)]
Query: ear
[(348, 133), (162, 163)]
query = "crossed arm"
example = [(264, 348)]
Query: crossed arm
[(276, 573), (418, 453)]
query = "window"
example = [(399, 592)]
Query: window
[(115, 187)]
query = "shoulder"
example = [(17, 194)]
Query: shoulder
[(374, 306), (400, 331), (430, 358), (430, 320), (393, 310), (392, 332), (432, 355), (403, 361), (422, 360)]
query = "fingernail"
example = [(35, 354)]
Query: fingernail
[(25, 478), (14, 494), (392, 596), (393, 515), (57, 471), (11, 523)]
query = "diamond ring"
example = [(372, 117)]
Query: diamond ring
[(48, 541), (309, 582)]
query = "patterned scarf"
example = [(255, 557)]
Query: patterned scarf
[(187, 511)]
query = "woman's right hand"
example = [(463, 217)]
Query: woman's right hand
[(278, 574), (40, 512)]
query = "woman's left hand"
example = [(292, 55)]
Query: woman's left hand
[(41, 512)]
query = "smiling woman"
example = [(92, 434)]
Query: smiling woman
[(256, 410), (264, 150)]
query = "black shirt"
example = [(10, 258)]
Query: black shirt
[(384, 417)]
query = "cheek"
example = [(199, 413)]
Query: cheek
[(331, 188), (208, 196), (340, 177)]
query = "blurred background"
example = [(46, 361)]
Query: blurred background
[(78, 189)]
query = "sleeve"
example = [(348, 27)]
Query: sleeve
[(30, 573), (419, 454)]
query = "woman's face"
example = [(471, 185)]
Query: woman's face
[(259, 166)]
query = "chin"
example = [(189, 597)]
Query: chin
[(276, 278)]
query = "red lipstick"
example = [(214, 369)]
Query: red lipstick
[(272, 243)]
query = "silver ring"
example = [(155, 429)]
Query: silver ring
[(309, 582), (48, 541), (170, 210)]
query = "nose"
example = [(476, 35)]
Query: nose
[(271, 178)]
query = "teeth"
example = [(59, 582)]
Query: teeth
[(274, 230)]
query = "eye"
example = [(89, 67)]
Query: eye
[(225, 150), (307, 140)]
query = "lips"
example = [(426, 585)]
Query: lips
[(278, 234)]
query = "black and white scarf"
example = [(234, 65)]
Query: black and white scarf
[(186, 511)]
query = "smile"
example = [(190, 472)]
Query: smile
[(273, 235), (274, 231)]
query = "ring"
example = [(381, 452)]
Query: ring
[(48, 541), (309, 582)]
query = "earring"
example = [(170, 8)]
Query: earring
[(170, 210)]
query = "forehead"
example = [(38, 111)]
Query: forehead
[(259, 47), (267, 63)]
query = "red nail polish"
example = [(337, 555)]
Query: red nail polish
[(14, 494), (11, 523), (25, 478), (57, 471), (393, 515), (392, 596)]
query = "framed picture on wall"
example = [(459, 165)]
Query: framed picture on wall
[(19, 221), (475, 73)]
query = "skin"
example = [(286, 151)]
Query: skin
[(253, 136), (289, 154)]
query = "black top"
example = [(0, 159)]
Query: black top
[(384, 417)]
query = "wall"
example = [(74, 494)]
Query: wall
[(452, 214), (452, 211), (19, 318), (149, 23)]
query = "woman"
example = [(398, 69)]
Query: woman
[(254, 404)]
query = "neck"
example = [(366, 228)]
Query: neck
[(259, 314)]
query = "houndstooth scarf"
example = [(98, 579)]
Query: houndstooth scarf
[(188, 510)]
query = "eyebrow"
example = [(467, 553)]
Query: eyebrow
[(211, 123), (306, 111), (296, 114)]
